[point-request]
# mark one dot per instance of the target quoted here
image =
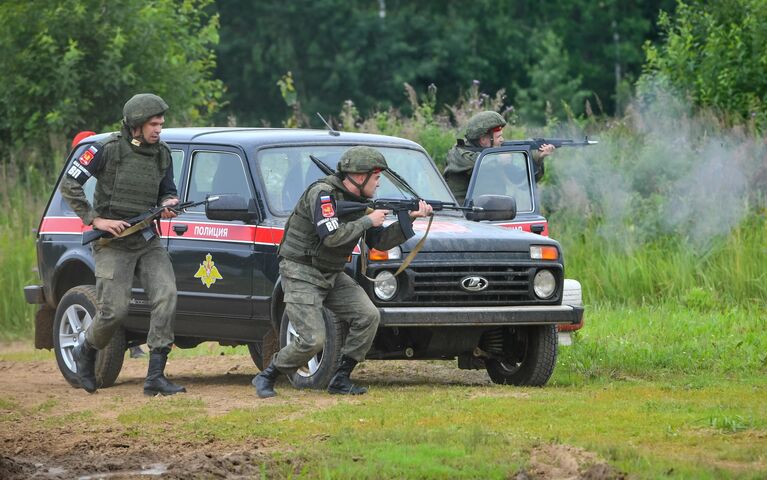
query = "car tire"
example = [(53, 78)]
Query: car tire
[(531, 359), (73, 315), (256, 354), (321, 368)]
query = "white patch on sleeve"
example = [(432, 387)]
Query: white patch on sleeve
[(331, 224)]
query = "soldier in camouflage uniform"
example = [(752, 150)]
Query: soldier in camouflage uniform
[(483, 130), (314, 250), (135, 173)]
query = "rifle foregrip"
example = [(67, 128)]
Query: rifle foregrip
[(92, 235)]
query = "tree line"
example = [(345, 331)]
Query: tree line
[(69, 65)]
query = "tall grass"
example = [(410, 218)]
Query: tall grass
[(22, 199), (671, 206), (732, 270)]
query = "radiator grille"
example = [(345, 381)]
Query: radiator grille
[(442, 284)]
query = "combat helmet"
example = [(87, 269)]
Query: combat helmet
[(480, 123), (361, 159), (141, 107)]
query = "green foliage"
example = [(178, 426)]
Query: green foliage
[(365, 51), (20, 209), (288, 93), (70, 65), (716, 54), (554, 93)]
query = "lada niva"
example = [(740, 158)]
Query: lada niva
[(488, 296)]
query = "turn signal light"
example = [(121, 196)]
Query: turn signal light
[(381, 255), (378, 254), (544, 252)]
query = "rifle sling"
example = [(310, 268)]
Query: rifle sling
[(136, 227), (408, 259)]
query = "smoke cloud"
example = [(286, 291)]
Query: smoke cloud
[(661, 170)]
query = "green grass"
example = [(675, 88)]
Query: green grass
[(732, 271), (656, 391), (666, 340), (21, 205)]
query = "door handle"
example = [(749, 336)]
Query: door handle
[(180, 229)]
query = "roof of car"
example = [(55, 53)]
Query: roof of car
[(258, 137)]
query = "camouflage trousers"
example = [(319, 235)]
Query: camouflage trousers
[(307, 290), (115, 269)]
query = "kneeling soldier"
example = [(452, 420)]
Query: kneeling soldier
[(314, 250)]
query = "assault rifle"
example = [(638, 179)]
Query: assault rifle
[(536, 143), (400, 207), (142, 223)]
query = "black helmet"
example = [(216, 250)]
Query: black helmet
[(141, 107)]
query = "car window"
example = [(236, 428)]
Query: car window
[(505, 173), (215, 173), (178, 164), (287, 171)]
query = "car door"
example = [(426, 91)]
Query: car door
[(509, 171), (214, 260)]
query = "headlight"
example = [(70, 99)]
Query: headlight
[(544, 284), (385, 285)]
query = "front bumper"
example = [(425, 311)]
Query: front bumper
[(479, 316), (34, 294)]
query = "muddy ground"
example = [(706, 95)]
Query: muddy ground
[(34, 445)]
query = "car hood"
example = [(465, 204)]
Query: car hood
[(456, 234)]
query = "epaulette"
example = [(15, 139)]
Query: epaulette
[(113, 137)]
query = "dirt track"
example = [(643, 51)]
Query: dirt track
[(37, 443), (93, 449)]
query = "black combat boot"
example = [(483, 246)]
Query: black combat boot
[(85, 360), (156, 383), (340, 383), (264, 381)]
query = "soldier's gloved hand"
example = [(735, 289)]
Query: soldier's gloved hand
[(115, 227), (378, 216), (169, 203), (424, 210)]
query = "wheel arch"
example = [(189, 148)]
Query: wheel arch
[(72, 271), (278, 305)]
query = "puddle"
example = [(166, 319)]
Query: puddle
[(155, 469)]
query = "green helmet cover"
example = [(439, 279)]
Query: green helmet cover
[(141, 107), (480, 123), (361, 159)]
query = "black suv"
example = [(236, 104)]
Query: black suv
[(489, 296)]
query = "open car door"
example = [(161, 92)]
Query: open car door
[(509, 170)]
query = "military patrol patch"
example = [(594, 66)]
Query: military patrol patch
[(327, 210), (208, 273), (88, 155)]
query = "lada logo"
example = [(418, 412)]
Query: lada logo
[(474, 283)]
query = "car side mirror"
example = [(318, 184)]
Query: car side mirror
[(229, 207), (494, 207)]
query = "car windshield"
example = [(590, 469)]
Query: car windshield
[(505, 173), (287, 171)]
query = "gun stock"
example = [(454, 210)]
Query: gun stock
[(144, 218)]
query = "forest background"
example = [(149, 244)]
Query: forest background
[(669, 208)]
